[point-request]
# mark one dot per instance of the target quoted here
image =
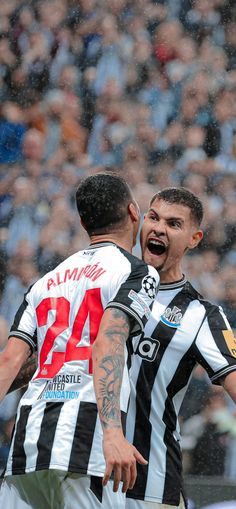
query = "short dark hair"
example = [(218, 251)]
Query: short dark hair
[(182, 196), (102, 201)]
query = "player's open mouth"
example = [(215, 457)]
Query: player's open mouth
[(156, 247)]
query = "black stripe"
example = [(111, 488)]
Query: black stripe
[(134, 261), (96, 487), (138, 270), (216, 324), (18, 317), (24, 337), (123, 421), (130, 351), (47, 434), (18, 454), (173, 476), (83, 437), (145, 382), (174, 479), (134, 282), (20, 311)]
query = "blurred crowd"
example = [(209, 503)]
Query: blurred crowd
[(144, 87)]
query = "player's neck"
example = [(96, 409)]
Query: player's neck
[(116, 238), (171, 275)]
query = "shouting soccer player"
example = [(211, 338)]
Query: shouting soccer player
[(183, 330)]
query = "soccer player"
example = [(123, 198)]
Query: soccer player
[(101, 293), (184, 329)]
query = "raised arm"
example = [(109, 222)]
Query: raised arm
[(108, 366), (12, 358)]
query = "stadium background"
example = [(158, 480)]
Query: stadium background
[(145, 87)]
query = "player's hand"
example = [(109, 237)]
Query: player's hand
[(121, 458)]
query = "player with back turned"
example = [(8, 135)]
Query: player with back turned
[(96, 299)]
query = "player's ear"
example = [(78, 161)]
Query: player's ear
[(82, 224), (195, 239), (134, 211)]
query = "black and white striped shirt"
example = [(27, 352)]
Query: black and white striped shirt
[(183, 330), (57, 424)]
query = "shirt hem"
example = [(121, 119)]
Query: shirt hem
[(153, 499), (28, 470)]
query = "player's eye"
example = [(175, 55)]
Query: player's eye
[(153, 217), (175, 224)]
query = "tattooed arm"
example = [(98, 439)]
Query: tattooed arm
[(25, 374), (108, 366)]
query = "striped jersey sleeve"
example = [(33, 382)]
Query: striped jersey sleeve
[(24, 325), (136, 294), (215, 344)]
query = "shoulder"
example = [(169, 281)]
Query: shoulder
[(214, 311)]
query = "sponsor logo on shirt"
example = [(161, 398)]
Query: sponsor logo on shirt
[(147, 348), (172, 317), (60, 388), (230, 341)]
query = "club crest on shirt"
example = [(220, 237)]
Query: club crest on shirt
[(172, 317)]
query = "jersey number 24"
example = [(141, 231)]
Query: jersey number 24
[(50, 360)]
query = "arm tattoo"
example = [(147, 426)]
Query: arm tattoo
[(113, 365), (25, 374)]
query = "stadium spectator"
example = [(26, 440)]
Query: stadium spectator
[(208, 434), (12, 130)]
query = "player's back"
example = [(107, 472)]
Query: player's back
[(74, 296), (60, 317), (68, 303)]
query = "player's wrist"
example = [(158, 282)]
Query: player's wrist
[(110, 431)]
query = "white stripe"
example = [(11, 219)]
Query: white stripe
[(33, 429), (22, 336), (9, 461), (63, 439), (96, 458), (224, 372), (207, 346)]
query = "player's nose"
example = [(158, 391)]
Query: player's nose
[(160, 227)]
